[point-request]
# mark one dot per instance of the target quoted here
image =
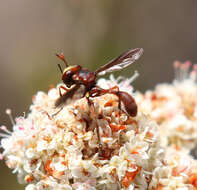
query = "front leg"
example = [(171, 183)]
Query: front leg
[(68, 94), (64, 88)]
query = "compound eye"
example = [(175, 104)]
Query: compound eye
[(67, 76), (69, 72)]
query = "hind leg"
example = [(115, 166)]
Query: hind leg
[(97, 91)]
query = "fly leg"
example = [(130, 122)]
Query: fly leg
[(63, 97), (64, 88), (115, 90), (97, 91), (123, 97), (91, 106), (57, 112)]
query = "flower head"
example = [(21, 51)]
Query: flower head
[(83, 146), (55, 148), (174, 107)]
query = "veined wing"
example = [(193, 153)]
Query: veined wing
[(124, 60)]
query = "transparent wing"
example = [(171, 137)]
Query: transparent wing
[(124, 60)]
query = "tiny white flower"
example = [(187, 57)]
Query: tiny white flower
[(31, 187), (42, 145)]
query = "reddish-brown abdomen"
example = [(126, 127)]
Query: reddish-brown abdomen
[(129, 103)]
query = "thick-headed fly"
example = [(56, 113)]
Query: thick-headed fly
[(75, 76)]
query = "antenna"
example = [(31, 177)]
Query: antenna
[(61, 56), (60, 68)]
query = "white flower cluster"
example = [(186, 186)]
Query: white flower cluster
[(56, 148), (97, 146), (177, 172), (174, 107)]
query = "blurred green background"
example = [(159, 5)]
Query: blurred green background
[(90, 33)]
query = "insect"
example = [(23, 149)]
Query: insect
[(76, 76)]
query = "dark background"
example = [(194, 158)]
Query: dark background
[(90, 33)]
